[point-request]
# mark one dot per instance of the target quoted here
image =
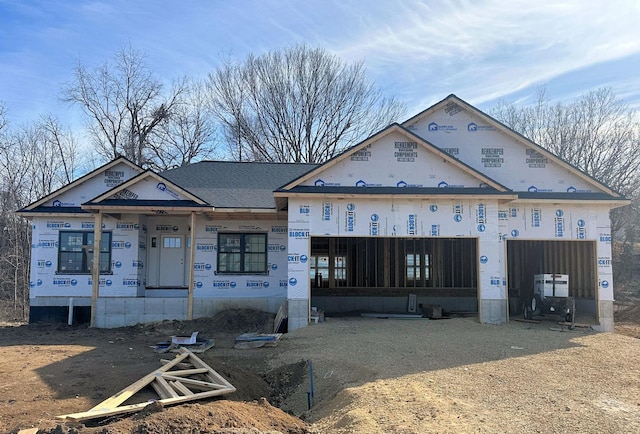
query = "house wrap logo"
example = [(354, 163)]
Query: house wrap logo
[(412, 224), (559, 223), (299, 234), (276, 248), (58, 225), (120, 245), (322, 183), (224, 284), (46, 244), (472, 127), (536, 217), (59, 203), (42, 263), (327, 211), (350, 218), (374, 229), (206, 247), (296, 258), (201, 266), (604, 238), (163, 187), (127, 226), (433, 126), (581, 230)]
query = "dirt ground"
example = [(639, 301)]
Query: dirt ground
[(369, 376)]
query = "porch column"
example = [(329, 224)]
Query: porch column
[(95, 268), (192, 258)]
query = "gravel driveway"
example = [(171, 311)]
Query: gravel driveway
[(456, 375)]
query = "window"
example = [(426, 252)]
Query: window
[(75, 252), (242, 253), (171, 242), (320, 271), (417, 269)]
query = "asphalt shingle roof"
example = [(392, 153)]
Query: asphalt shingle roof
[(231, 184)]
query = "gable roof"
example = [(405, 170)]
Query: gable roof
[(37, 205), (115, 199), (393, 128), (231, 184), (453, 99)]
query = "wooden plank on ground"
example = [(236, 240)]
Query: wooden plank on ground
[(168, 384), (531, 321)]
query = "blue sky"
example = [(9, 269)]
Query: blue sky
[(418, 51)]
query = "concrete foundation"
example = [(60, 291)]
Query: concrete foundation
[(298, 313), (127, 311), (334, 304), (606, 317), (493, 311)]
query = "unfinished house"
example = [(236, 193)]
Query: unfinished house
[(449, 208)]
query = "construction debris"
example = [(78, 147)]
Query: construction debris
[(185, 378), (193, 343), (281, 321), (257, 340)]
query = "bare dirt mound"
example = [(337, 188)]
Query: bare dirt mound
[(55, 369), (213, 417)]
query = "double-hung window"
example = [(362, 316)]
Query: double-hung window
[(242, 253), (75, 252)]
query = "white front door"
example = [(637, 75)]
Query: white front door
[(172, 261)]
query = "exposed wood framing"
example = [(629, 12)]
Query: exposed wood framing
[(185, 378), (525, 258), (192, 258), (95, 267), (415, 264)]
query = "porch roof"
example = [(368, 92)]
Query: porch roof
[(142, 204)]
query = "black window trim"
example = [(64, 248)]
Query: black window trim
[(265, 272), (85, 264)]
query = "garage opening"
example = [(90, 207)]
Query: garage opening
[(577, 259), (379, 274)]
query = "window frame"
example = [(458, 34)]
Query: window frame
[(86, 254), (242, 254)]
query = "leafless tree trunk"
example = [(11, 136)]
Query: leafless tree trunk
[(299, 104), (124, 103)]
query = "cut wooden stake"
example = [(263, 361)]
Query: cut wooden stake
[(171, 386)]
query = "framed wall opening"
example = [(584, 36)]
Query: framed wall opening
[(362, 270), (577, 259)]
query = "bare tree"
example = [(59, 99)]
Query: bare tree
[(124, 103), (188, 135), (34, 160), (599, 134), (298, 104)]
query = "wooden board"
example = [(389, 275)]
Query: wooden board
[(185, 378), (281, 318)]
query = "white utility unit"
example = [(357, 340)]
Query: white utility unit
[(551, 285)]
